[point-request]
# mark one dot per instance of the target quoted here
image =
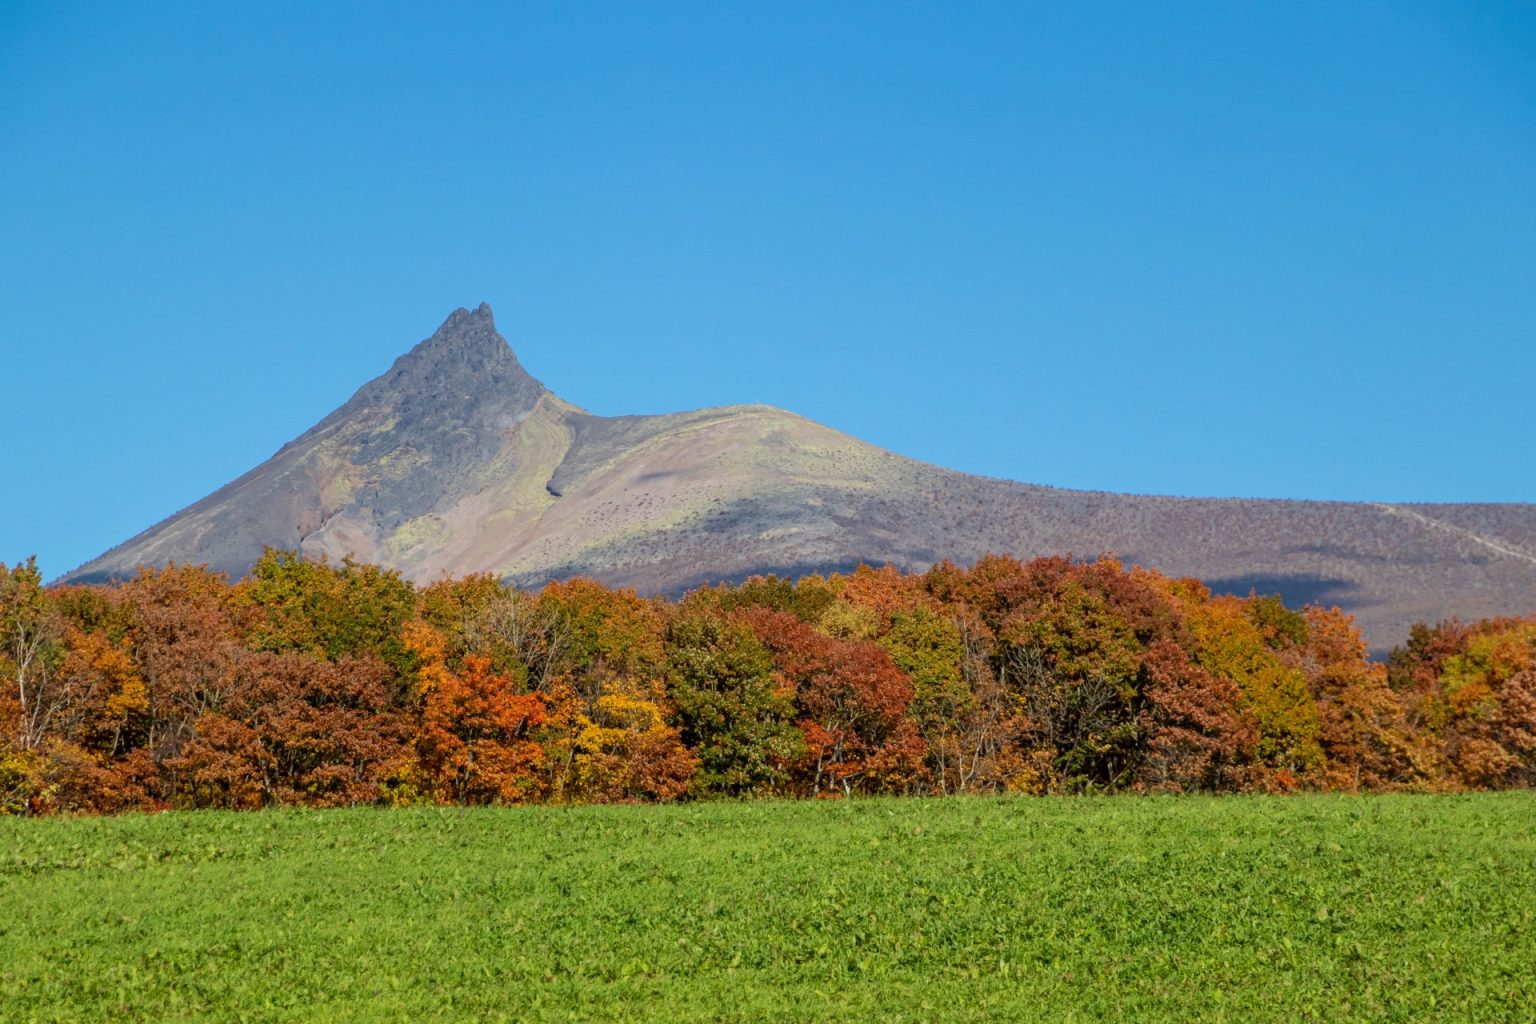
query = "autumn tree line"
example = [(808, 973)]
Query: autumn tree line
[(342, 684)]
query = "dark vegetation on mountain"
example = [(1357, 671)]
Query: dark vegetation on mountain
[(456, 461), (340, 684)]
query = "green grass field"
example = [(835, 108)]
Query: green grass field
[(1239, 909)]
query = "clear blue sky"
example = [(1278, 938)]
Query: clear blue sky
[(1281, 250)]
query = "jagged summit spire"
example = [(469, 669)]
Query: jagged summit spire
[(466, 330), (464, 357), (465, 373), (463, 322)]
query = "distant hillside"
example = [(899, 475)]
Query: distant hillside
[(457, 460)]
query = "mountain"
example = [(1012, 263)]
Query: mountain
[(457, 460)]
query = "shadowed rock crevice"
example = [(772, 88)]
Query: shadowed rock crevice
[(1294, 590)]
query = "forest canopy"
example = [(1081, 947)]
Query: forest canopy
[(321, 684)]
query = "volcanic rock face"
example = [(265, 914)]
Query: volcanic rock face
[(457, 460)]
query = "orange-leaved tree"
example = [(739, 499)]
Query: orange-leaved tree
[(608, 736), (851, 701), (474, 732)]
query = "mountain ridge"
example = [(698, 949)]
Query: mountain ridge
[(457, 460)]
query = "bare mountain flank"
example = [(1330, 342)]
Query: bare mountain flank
[(457, 460)]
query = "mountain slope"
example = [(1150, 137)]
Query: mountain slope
[(457, 461)]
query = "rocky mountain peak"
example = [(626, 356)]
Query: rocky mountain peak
[(471, 329), (465, 365), (467, 343), (456, 460)]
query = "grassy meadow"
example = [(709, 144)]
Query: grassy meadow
[(1222, 909)]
